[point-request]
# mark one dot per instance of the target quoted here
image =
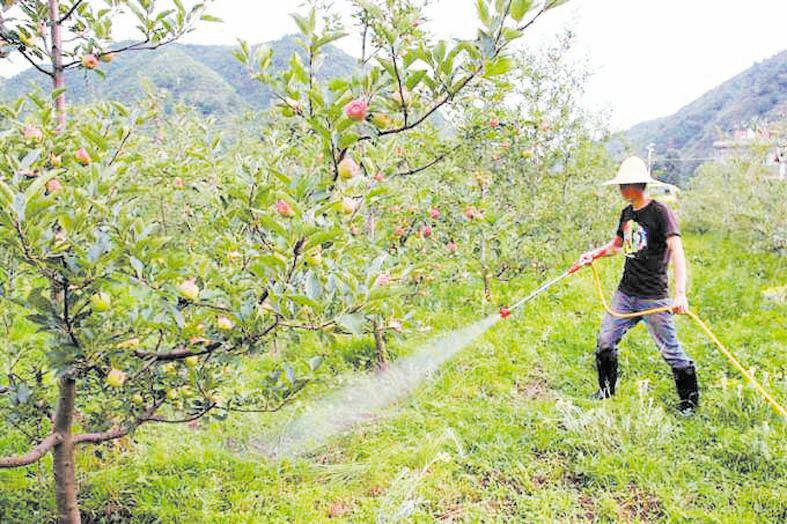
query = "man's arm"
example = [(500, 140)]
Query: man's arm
[(678, 258), (607, 250)]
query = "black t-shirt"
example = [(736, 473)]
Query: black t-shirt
[(644, 233)]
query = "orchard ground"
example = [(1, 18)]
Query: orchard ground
[(504, 431)]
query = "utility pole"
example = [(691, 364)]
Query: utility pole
[(651, 146)]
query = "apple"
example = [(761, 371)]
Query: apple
[(434, 213), (348, 206), (82, 156), (32, 133), (494, 123), (348, 168), (285, 209), (192, 361), (354, 230), (115, 378), (505, 312), (315, 258), (427, 231), (452, 247), (379, 177), (54, 185), (188, 289), (528, 153), (129, 344), (396, 325), (356, 110), (383, 279), (399, 231), (178, 182), (471, 213), (225, 324), (89, 61), (107, 57), (381, 120), (101, 301), (137, 399), (172, 394)]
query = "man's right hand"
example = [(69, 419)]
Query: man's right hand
[(585, 258)]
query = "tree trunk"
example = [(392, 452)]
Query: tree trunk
[(484, 268), (63, 462), (57, 63), (379, 346)]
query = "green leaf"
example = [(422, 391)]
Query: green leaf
[(483, 12), (352, 323), (499, 66), (519, 9), (211, 18), (315, 362)]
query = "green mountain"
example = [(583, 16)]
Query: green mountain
[(208, 78), (683, 139)]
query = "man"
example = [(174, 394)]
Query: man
[(649, 236)]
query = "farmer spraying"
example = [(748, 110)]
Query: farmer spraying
[(649, 237)]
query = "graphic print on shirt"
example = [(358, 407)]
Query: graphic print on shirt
[(635, 238)]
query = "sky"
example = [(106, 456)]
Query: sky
[(647, 58)]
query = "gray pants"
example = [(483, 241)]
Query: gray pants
[(661, 327)]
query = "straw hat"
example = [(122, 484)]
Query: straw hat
[(633, 170)]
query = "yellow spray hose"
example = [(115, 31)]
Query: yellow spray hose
[(727, 353)]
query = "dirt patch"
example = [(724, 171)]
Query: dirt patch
[(534, 388), (338, 509), (639, 504)]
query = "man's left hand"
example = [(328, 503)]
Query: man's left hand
[(680, 304)]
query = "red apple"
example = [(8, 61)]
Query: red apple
[(505, 312), (54, 185), (379, 177), (82, 156), (427, 231), (399, 231), (494, 122), (348, 168), (32, 133), (452, 247), (179, 184), (434, 213), (189, 289), (89, 61), (284, 209), (356, 110)]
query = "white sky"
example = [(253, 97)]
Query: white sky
[(648, 58)]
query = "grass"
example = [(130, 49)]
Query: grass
[(505, 431)]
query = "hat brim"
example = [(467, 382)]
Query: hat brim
[(617, 181)]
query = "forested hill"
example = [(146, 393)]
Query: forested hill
[(759, 93), (208, 78)]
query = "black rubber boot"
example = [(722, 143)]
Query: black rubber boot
[(686, 384), (607, 367)]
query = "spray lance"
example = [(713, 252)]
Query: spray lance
[(505, 311)]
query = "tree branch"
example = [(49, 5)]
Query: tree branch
[(70, 12), (34, 455)]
